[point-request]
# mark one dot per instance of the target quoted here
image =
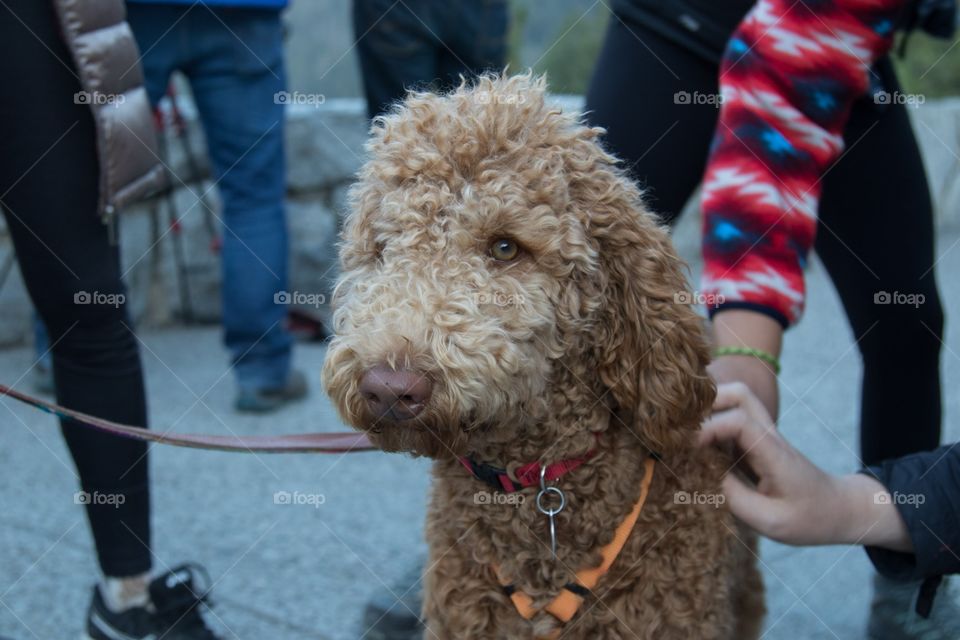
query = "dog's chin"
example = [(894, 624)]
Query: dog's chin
[(425, 435)]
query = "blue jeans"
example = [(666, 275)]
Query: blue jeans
[(233, 59)]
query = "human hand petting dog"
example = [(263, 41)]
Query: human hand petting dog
[(794, 501)]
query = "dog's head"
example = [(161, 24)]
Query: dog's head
[(495, 258)]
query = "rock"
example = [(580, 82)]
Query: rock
[(313, 258), (324, 143)]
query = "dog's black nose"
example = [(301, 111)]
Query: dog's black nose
[(397, 395)]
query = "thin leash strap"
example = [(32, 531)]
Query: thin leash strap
[(291, 443)]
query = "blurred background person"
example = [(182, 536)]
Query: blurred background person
[(426, 44), (231, 52), (79, 146)]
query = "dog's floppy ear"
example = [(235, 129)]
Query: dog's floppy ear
[(651, 347)]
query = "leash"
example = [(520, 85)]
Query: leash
[(292, 443)]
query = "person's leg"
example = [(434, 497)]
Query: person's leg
[(235, 67), (473, 36), (161, 43), (656, 99), (43, 367), (397, 49), (876, 240), (64, 252), (157, 61)]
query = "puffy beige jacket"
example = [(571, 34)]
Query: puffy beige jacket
[(108, 63)]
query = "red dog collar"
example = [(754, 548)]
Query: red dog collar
[(526, 476)]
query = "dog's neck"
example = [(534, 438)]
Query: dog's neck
[(561, 424), (567, 422), (531, 445)]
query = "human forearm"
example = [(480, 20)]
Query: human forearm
[(866, 514), (742, 328)]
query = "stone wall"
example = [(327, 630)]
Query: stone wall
[(325, 148)]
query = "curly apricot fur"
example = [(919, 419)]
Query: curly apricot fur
[(579, 334)]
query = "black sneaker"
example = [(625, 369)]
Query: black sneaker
[(173, 612)]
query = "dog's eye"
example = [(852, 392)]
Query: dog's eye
[(504, 249)]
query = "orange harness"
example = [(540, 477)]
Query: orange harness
[(568, 602)]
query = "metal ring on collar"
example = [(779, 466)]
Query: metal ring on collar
[(551, 512)]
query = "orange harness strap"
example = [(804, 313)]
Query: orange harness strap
[(568, 602)]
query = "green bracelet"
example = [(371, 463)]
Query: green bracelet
[(766, 356)]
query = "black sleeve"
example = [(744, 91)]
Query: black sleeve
[(925, 488)]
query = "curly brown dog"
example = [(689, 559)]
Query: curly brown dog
[(507, 301)]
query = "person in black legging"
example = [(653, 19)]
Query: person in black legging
[(875, 217), (49, 189)]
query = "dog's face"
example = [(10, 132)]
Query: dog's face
[(484, 260)]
